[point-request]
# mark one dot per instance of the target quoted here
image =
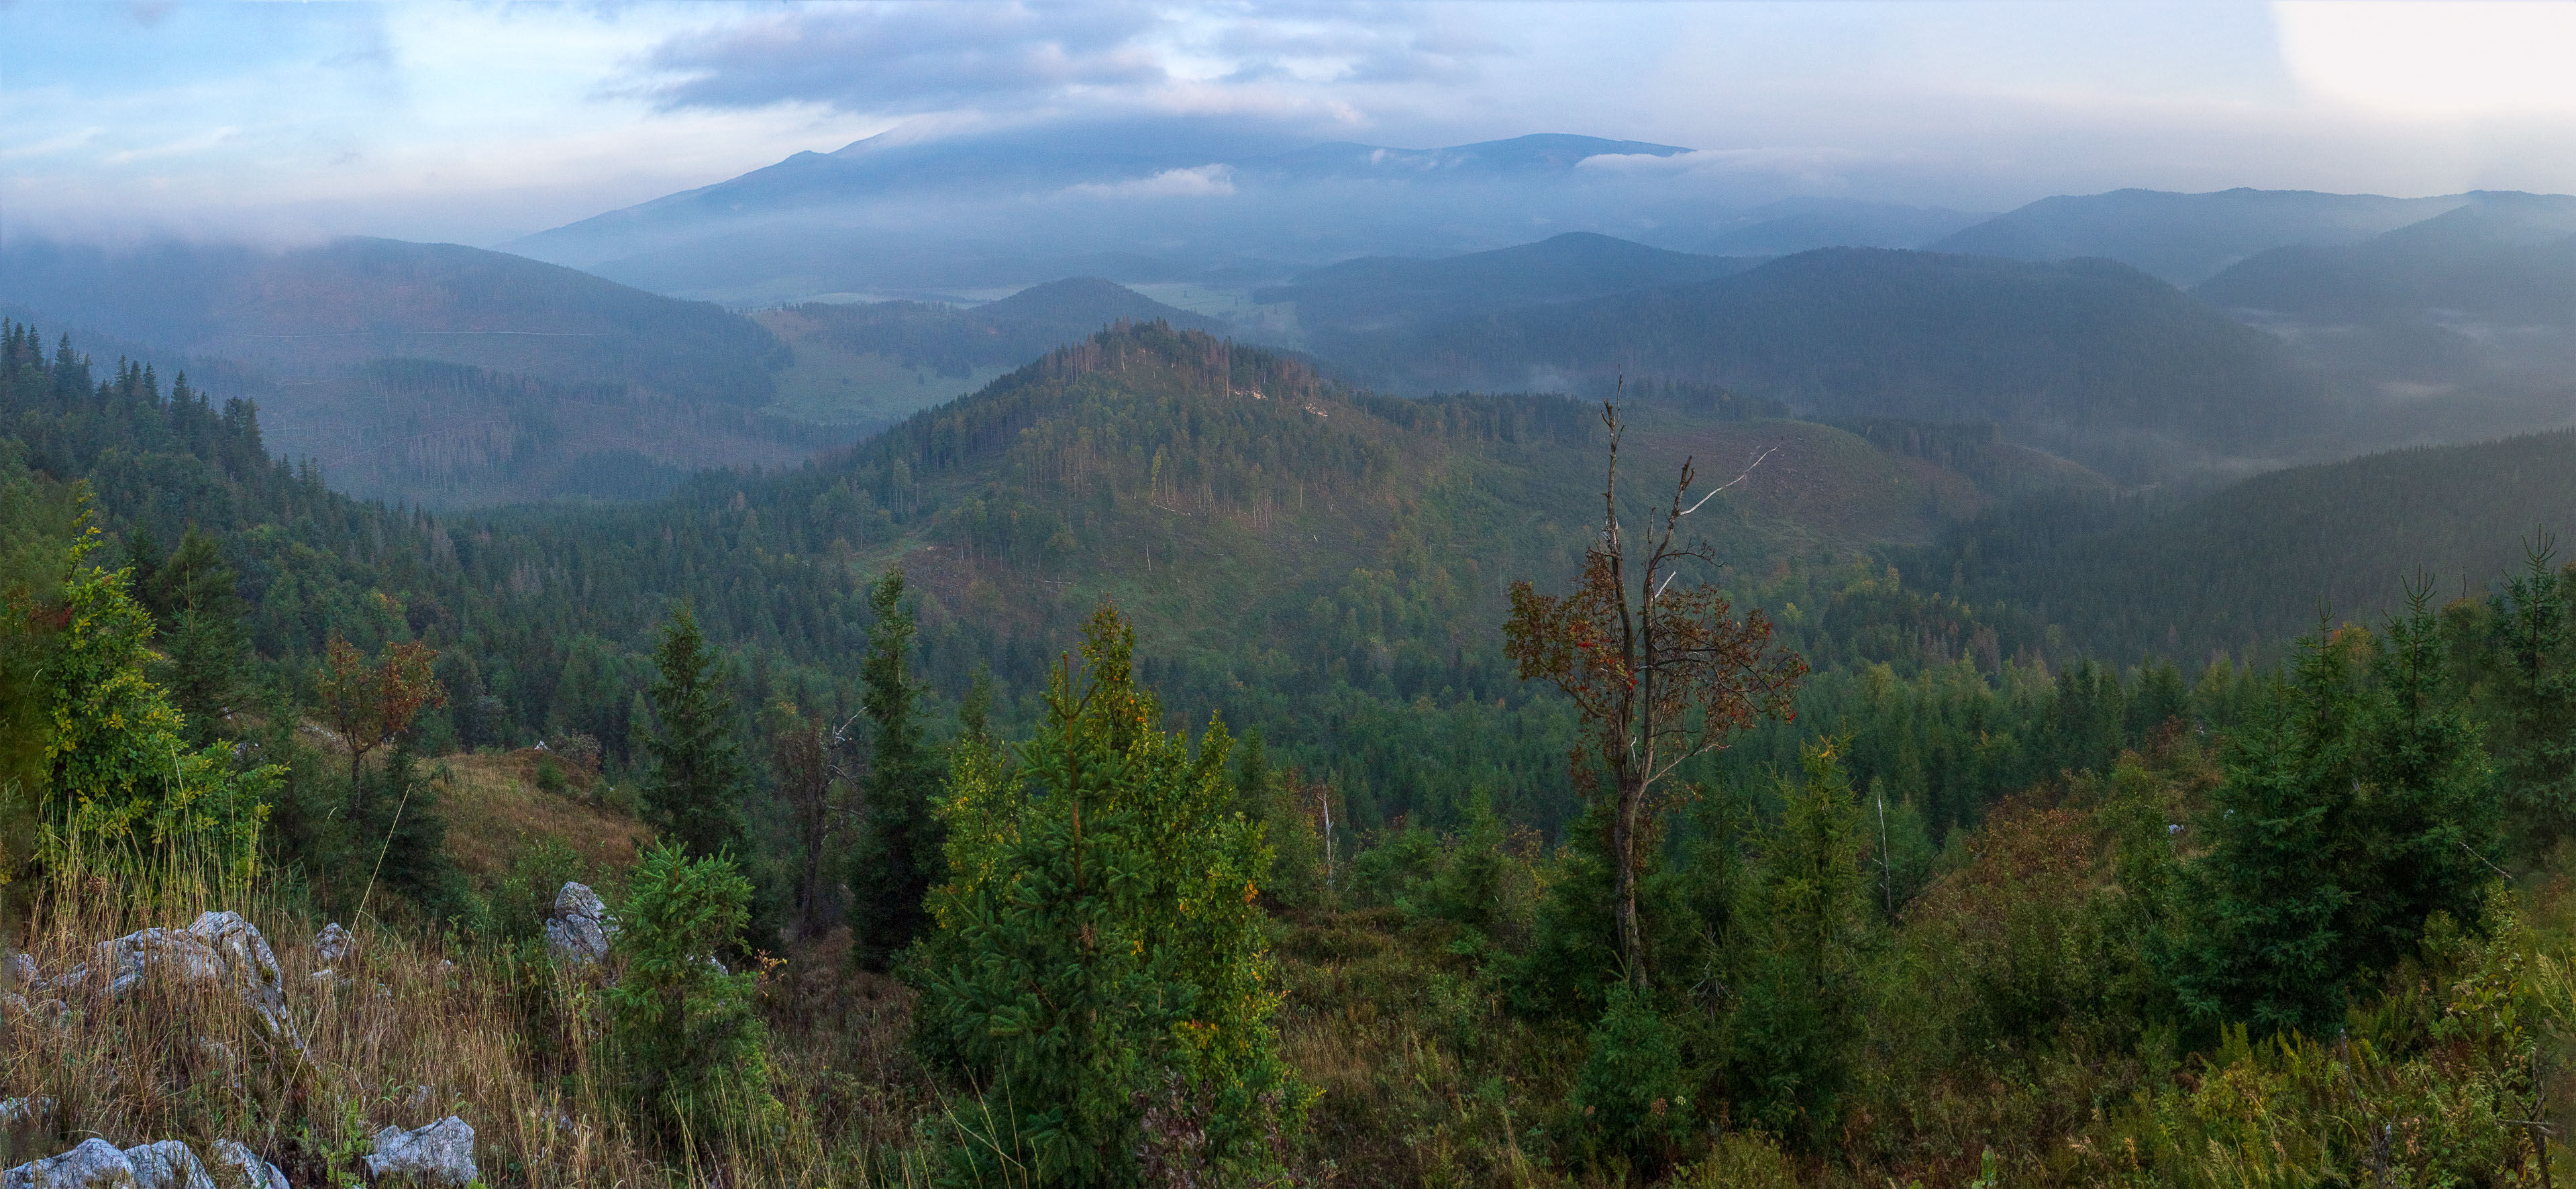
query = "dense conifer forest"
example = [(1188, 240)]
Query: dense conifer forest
[(1124, 775)]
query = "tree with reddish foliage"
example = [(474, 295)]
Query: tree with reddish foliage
[(1658, 670), (371, 702)]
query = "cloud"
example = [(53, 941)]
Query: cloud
[(1818, 168), (898, 58), (1205, 181), (208, 139), (54, 144)]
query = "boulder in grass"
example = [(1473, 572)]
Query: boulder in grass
[(439, 1154), (333, 944), (220, 948), (19, 969), (167, 1165), (581, 927), (19, 1112), (95, 1164), (237, 1167)]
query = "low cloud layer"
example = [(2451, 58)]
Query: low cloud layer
[(479, 123)]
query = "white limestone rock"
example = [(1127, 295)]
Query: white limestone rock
[(220, 948), (581, 927), (167, 1165), (95, 1164), (237, 1167), (439, 1154), (333, 945)]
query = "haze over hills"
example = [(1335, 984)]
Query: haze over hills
[(2096, 359), (309, 311), (2248, 568), (875, 362), (2503, 259), (2185, 238), (1387, 292), (1794, 225), (434, 373)]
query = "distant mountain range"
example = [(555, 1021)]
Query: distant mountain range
[(2089, 354), (1387, 292)]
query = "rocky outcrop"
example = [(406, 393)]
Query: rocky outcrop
[(167, 1165), (439, 1154), (581, 927)]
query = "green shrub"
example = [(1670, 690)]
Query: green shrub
[(1631, 1098)]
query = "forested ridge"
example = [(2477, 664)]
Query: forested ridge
[(1124, 775)]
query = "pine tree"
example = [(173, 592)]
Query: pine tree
[(1099, 960), (694, 795), (898, 858)]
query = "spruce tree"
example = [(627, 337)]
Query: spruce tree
[(1796, 955), (2535, 695), (898, 857), (1099, 960), (694, 795), (685, 1037), (196, 602), (2266, 902), (2426, 817)]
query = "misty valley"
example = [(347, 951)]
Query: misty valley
[(963, 661)]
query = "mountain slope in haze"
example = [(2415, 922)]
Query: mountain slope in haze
[(1377, 293), (2500, 257), (2250, 567), (2094, 356), (440, 375), (310, 310), (874, 362), (2185, 238), (2459, 323)]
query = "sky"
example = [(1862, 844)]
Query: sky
[(475, 123)]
